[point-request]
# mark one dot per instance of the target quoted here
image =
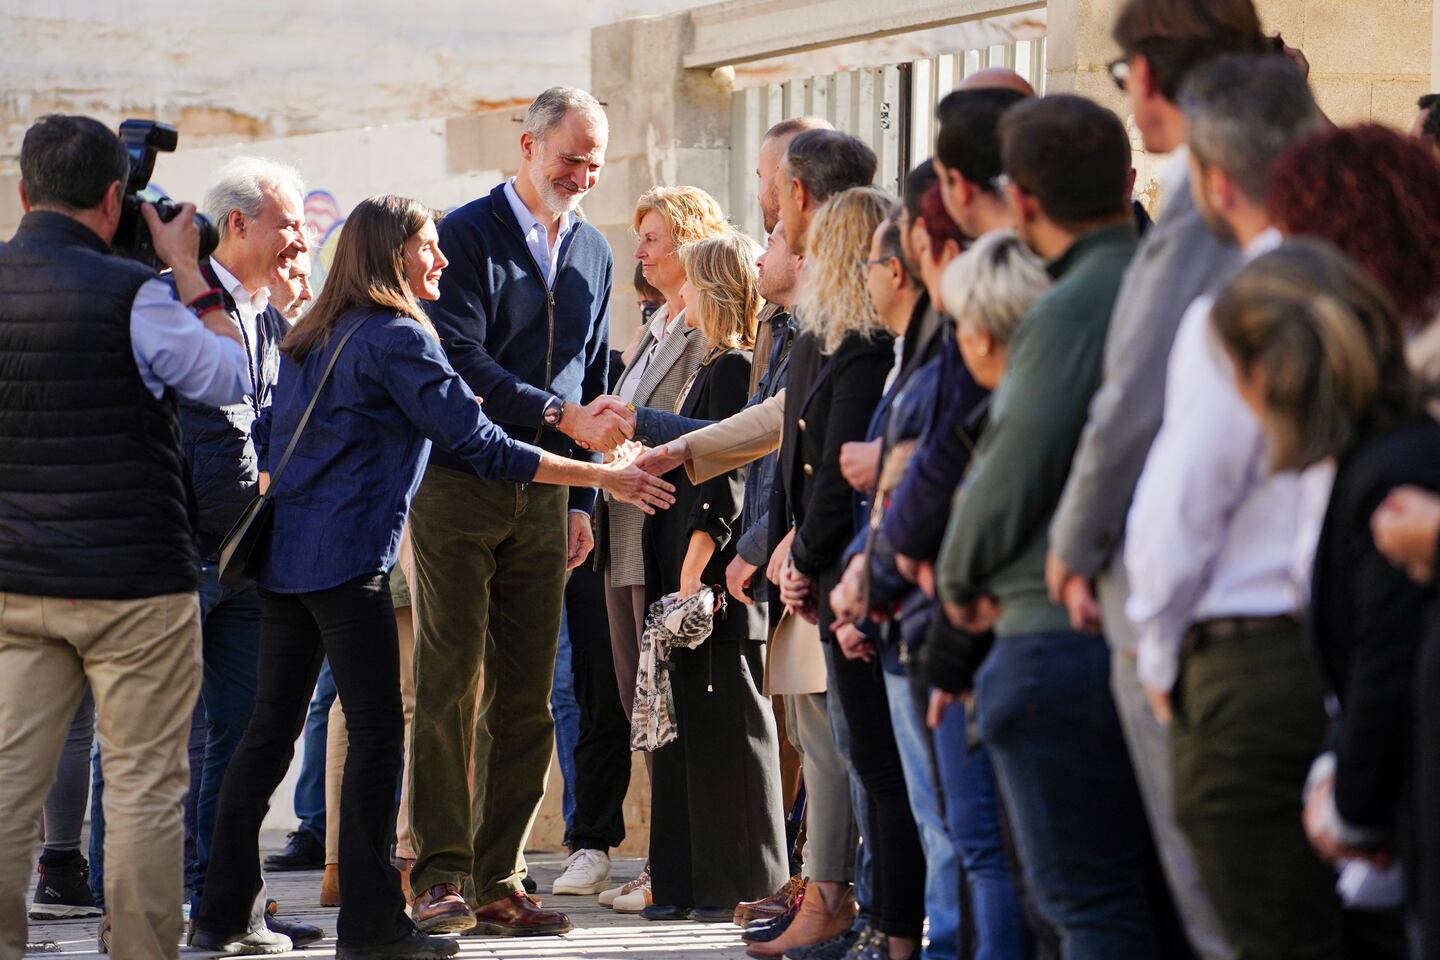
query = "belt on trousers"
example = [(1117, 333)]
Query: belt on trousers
[(1228, 628)]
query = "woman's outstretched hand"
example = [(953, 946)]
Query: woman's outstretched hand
[(664, 458), (628, 483)]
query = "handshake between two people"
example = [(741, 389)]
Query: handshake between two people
[(632, 472), (607, 424)]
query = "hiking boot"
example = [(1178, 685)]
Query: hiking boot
[(63, 890)]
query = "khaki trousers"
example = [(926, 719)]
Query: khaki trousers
[(829, 821), (142, 661)]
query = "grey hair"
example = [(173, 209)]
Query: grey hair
[(550, 108), (794, 126), (990, 287), (240, 185), (1244, 112)]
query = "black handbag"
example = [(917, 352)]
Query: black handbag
[(247, 541)]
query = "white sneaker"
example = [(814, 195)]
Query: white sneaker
[(608, 897), (255, 943), (586, 871), (634, 901)]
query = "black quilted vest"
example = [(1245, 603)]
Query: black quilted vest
[(93, 493)]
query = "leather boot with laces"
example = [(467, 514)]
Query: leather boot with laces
[(815, 922)]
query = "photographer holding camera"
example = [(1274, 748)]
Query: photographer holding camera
[(98, 559)]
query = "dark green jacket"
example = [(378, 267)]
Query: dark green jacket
[(998, 533)]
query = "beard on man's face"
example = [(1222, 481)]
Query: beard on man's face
[(556, 199)]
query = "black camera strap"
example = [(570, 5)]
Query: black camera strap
[(232, 309)]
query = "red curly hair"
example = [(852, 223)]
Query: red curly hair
[(1374, 194)]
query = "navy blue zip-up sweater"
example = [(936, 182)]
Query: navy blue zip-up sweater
[(516, 342), (224, 472)]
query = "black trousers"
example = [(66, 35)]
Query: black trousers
[(1422, 873), (717, 829), (896, 857), (602, 754), (354, 624)]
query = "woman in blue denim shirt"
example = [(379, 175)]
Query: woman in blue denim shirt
[(340, 507)]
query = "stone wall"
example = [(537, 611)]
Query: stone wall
[(236, 70), (1369, 60)]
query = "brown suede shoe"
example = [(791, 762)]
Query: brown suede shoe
[(518, 915), (815, 922), (772, 906), (442, 909)]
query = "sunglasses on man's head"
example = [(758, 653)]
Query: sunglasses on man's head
[(1119, 70)]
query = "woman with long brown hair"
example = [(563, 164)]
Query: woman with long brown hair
[(340, 507)]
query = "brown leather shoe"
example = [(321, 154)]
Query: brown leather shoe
[(330, 886), (772, 906), (815, 922), (442, 909), (518, 915)]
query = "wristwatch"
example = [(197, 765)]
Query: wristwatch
[(554, 410)]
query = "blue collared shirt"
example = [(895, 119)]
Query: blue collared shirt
[(173, 348), (537, 238)]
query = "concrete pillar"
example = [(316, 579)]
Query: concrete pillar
[(1435, 47), (1368, 61), (668, 126)]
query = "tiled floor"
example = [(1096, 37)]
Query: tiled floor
[(598, 932)]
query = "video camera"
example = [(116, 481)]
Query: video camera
[(143, 139)]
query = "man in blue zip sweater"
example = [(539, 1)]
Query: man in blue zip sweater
[(524, 316)]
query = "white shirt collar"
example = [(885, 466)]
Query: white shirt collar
[(1261, 244), (526, 219), (662, 323), (237, 291), (1175, 171)]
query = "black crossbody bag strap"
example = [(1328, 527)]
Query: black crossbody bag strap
[(319, 389)]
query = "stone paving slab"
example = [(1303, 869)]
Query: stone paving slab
[(599, 932)]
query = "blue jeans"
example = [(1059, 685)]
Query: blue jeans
[(566, 710), (196, 751), (1046, 715), (942, 868), (972, 811), (310, 786), (230, 647)]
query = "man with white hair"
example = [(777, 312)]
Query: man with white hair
[(257, 205), (524, 316)]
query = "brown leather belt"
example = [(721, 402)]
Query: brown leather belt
[(1228, 628)]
